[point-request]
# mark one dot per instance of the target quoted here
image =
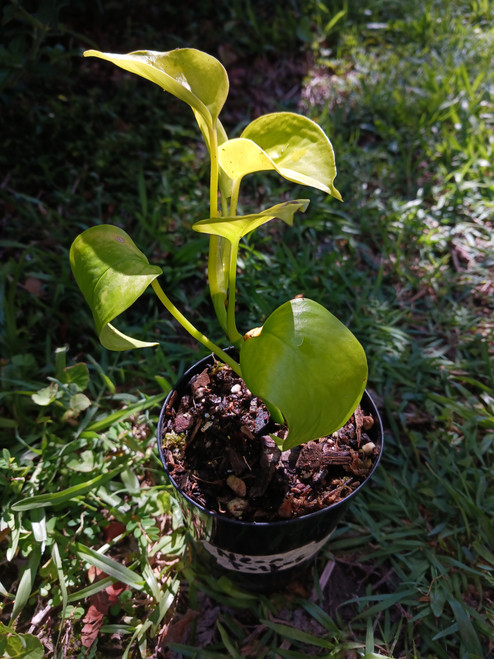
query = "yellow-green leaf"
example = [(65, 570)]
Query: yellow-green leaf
[(112, 274), (233, 228), (298, 147), (239, 157), (189, 74)]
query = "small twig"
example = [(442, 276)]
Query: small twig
[(38, 618)]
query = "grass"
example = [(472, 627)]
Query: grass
[(93, 560)]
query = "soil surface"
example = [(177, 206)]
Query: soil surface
[(219, 450)]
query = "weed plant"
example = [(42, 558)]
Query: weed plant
[(92, 548)]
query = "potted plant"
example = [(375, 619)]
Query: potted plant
[(285, 397)]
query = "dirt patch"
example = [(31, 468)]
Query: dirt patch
[(219, 446)]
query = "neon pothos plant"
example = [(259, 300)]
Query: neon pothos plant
[(304, 363)]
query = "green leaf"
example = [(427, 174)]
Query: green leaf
[(109, 566), (232, 651), (60, 361), (298, 147), (38, 525), (56, 498), (335, 19), (26, 583), (309, 365), (45, 396), (109, 419), (19, 646), (83, 464), (57, 560), (438, 599), (294, 634), (194, 77), (112, 274), (8, 423), (467, 631), (130, 480), (239, 157), (90, 590), (233, 228), (79, 402), (78, 374)]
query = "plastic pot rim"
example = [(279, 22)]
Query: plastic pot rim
[(284, 522)]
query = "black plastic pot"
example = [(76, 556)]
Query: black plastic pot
[(259, 556)]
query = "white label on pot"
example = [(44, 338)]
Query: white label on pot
[(263, 564)]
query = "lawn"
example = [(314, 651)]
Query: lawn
[(93, 558)]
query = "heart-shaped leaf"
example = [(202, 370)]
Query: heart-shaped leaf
[(233, 228), (112, 274), (189, 74), (239, 157), (76, 375), (299, 149), (307, 364)]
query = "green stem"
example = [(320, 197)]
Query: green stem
[(213, 184), (234, 199), (193, 331), (217, 276), (233, 334), (224, 207)]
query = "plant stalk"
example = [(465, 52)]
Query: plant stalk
[(193, 331), (235, 195), (218, 247), (233, 334), (213, 183)]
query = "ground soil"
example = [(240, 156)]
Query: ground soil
[(218, 444)]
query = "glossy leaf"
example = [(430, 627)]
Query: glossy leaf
[(233, 228), (194, 77), (309, 365), (239, 157), (298, 147), (112, 274)]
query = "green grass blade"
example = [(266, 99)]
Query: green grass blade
[(121, 415), (151, 582), (294, 634), (467, 632), (385, 601), (321, 616), (232, 651), (57, 560), (26, 583), (57, 498), (138, 635), (110, 566), (3, 591), (92, 589), (16, 533)]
